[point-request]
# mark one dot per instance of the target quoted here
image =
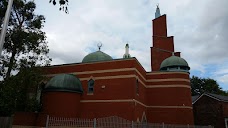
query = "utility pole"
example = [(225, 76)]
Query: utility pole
[(5, 25)]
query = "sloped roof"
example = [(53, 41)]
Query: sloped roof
[(223, 98), (194, 98), (214, 96)]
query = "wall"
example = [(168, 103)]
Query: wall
[(29, 119), (169, 98), (115, 92), (61, 104), (208, 111)]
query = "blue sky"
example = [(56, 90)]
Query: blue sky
[(200, 30)]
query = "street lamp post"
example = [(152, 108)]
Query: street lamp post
[(5, 25)]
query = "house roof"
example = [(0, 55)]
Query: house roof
[(214, 96), (194, 98), (223, 98)]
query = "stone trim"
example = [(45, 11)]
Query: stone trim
[(168, 86), (132, 100), (126, 76)]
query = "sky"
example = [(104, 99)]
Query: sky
[(200, 30)]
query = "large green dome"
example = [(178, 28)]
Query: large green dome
[(174, 63), (64, 82), (96, 56)]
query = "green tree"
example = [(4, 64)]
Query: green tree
[(24, 51), (19, 92), (201, 85), (25, 41)]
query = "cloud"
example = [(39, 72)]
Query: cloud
[(221, 74), (223, 78), (200, 32), (207, 39), (73, 36)]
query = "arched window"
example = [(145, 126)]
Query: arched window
[(90, 86)]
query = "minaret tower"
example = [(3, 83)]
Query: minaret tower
[(163, 45), (126, 55)]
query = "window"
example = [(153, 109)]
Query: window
[(173, 68), (137, 86), (90, 86)]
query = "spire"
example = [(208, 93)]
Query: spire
[(126, 55), (157, 13)]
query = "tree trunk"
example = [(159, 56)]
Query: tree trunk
[(11, 63)]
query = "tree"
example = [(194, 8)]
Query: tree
[(25, 42), (201, 85), (19, 92), (24, 51), (63, 5)]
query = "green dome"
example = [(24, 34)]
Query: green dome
[(174, 63), (96, 56), (64, 82)]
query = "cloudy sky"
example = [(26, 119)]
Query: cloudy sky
[(200, 30)]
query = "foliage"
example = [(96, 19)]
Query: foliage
[(25, 49), (63, 5), (18, 93), (25, 42), (201, 85)]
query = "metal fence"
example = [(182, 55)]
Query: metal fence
[(109, 122), (5, 122)]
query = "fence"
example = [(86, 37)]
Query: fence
[(5, 122), (109, 122)]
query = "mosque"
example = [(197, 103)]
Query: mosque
[(101, 86)]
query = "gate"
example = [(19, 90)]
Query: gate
[(5, 122)]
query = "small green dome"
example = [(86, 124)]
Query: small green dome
[(174, 63), (96, 56), (64, 82)]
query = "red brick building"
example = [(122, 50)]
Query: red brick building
[(211, 109), (100, 86)]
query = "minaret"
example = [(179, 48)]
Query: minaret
[(157, 13), (163, 45), (126, 55)]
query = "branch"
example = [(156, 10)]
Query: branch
[(18, 18)]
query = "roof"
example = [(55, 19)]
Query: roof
[(47, 68), (96, 56), (194, 98), (214, 96), (174, 61), (65, 83)]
